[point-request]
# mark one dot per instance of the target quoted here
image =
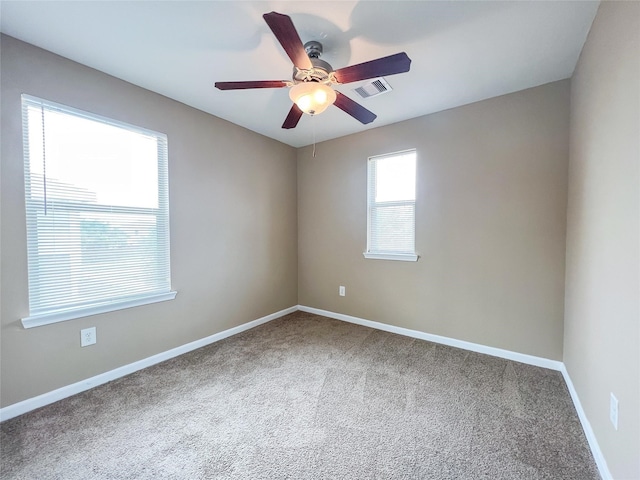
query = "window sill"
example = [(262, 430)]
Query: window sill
[(402, 257), (61, 316)]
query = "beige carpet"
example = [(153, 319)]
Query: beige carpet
[(310, 397)]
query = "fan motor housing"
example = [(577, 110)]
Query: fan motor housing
[(321, 71)]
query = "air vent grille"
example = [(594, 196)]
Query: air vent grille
[(375, 87)]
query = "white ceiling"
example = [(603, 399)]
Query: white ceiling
[(461, 51)]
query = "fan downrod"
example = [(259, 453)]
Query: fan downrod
[(313, 49)]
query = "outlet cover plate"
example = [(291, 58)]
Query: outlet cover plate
[(87, 336), (342, 291), (613, 411)]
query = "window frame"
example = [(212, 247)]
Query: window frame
[(53, 314), (387, 255)]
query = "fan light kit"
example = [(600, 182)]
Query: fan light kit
[(311, 91), (312, 98)]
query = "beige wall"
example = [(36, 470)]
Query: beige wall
[(233, 228), (602, 316), (491, 202)]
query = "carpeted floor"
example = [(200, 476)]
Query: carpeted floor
[(310, 397)]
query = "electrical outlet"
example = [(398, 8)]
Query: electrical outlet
[(613, 411), (87, 336), (342, 291)]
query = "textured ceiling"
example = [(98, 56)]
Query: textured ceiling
[(461, 52)]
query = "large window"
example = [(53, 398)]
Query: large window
[(391, 206), (97, 213)]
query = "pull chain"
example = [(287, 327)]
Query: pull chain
[(313, 123)]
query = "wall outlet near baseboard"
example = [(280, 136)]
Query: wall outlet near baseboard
[(87, 336), (613, 411), (342, 291)]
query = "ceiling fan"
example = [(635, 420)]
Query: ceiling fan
[(312, 78)]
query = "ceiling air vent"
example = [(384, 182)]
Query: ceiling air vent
[(375, 87)]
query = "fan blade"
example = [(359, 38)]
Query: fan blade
[(293, 118), (282, 27), (398, 63), (354, 109), (257, 84)]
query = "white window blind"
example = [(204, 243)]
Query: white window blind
[(391, 206), (97, 213)]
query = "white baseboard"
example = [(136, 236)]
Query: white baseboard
[(586, 426), (452, 342), (25, 406), (496, 352)]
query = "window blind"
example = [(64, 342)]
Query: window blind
[(97, 211), (391, 204)]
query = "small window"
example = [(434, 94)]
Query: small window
[(97, 213), (391, 206)]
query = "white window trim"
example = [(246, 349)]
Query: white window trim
[(63, 315), (402, 257)]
